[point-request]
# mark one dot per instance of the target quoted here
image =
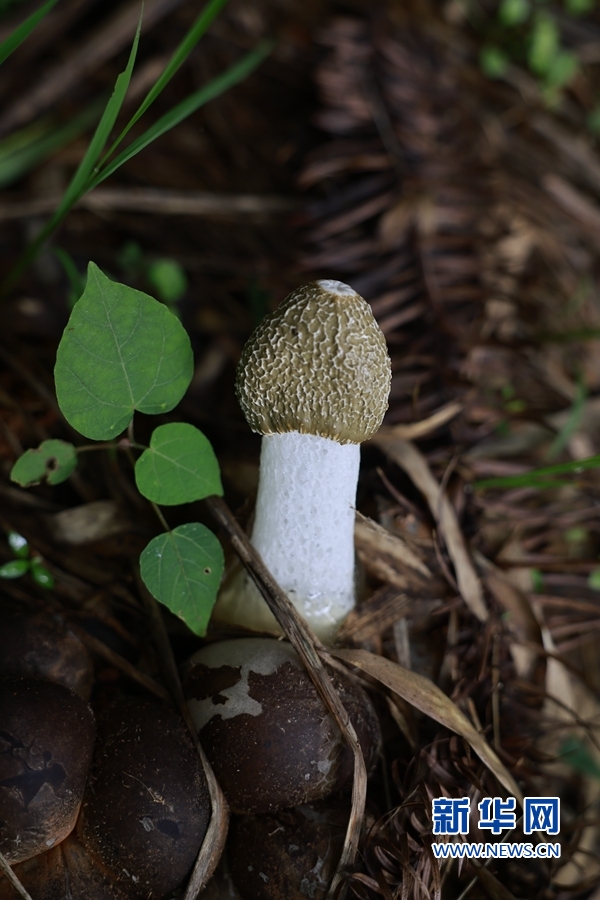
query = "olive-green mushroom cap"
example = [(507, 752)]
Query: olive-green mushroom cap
[(319, 365)]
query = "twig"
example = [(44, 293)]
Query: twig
[(120, 663), (158, 201), (308, 648), (13, 878)]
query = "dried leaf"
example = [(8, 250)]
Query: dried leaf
[(427, 697), (414, 463), (421, 429), (372, 538)]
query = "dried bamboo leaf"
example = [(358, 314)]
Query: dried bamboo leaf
[(370, 537), (415, 465), (427, 697), (421, 429)]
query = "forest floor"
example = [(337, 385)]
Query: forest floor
[(371, 148)]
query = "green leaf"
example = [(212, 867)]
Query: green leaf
[(21, 33), (217, 86), (513, 12), (178, 467), (493, 62), (593, 120), (562, 69), (544, 44), (18, 544), (41, 575), (183, 569), (53, 461), (14, 569), (594, 580), (121, 351), (168, 279), (579, 7)]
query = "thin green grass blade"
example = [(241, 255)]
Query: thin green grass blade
[(80, 180), (197, 30), (217, 86), (21, 33), (571, 425), (541, 477), (19, 157)]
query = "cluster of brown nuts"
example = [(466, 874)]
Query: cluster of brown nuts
[(112, 815), (119, 810)]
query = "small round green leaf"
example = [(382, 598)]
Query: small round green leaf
[(183, 569), (544, 44), (121, 351), (18, 544), (53, 461), (493, 61), (14, 569), (168, 279), (41, 575), (513, 12), (178, 467)]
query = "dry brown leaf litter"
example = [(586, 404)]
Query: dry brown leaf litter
[(470, 223)]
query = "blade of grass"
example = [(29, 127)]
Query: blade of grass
[(91, 173), (217, 86), (197, 30), (572, 424), (540, 477), (79, 184), (23, 31), (19, 157), (76, 280)]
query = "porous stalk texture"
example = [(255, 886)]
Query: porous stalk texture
[(304, 525)]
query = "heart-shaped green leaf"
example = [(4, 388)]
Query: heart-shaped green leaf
[(178, 467), (53, 461), (183, 569), (121, 351)]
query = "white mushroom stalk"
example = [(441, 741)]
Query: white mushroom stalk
[(314, 379)]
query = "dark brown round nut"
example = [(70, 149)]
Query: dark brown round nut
[(146, 806), (290, 855), (264, 728), (46, 742), (42, 646), (65, 871)]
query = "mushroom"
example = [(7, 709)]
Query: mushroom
[(46, 740), (288, 855), (314, 380), (146, 805), (266, 731)]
